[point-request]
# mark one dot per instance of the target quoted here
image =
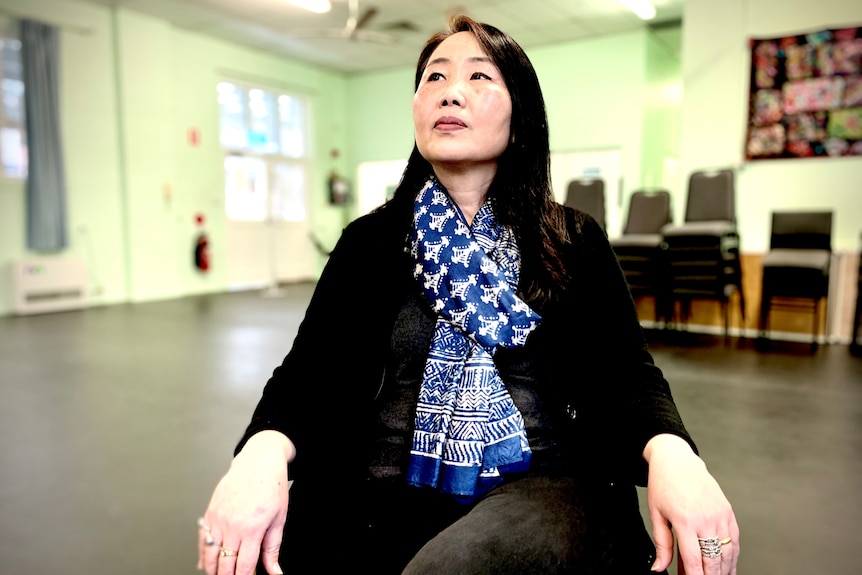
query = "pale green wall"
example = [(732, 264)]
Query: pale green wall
[(147, 120), (663, 107), (380, 108), (90, 136), (381, 118), (594, 94), (132, 86)]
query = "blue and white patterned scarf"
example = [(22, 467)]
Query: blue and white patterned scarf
[(468, 432)]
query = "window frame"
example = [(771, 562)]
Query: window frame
[(270, 159), (9, 33)]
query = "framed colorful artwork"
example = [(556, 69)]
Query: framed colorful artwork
[(805, 96)]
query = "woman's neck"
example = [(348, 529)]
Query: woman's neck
[(468, 188)]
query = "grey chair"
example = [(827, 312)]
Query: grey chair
[(638, 249), (796, 267), (588, 195), (702, 253)]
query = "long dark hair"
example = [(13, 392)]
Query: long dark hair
[(521, 192)]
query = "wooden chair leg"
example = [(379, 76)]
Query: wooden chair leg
[(816, 328)]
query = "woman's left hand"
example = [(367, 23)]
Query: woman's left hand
[(684, 498)]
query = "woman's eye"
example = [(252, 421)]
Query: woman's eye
[(434, 76), (480, 76)]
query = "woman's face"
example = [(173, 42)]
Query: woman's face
[(462, 110)]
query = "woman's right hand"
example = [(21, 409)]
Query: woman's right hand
[(246, 514)]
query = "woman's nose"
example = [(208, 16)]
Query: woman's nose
[(453, 95)]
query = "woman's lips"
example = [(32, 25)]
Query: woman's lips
[(448, 123)]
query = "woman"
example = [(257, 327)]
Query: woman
[(470, 390)]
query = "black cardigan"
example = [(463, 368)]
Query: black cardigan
[(590, 346)]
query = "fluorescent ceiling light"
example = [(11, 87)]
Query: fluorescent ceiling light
[(316, 6), (642, 8)]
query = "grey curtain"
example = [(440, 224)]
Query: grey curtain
[(47, 229)]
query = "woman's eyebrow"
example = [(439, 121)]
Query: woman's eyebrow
[(473, 59)]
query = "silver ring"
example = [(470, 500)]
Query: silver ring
[(208, 539), (710, 547), (203, 524)]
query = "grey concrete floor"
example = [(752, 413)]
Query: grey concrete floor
[(116, 422)]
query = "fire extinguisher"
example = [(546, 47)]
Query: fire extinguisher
[(202, 249)]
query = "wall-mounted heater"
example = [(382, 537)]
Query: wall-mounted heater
[(48, 284)]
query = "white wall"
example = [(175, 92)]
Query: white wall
[(716, 62)]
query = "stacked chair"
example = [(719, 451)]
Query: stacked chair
[(588, 196), (639, 249), (796, 267), (701, 255)]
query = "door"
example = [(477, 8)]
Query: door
[(266, 187)]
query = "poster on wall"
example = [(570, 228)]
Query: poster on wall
[(805, 97)]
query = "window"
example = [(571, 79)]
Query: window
[(264, 136), (13, 140)]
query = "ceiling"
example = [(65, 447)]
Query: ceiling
[(278, 27)]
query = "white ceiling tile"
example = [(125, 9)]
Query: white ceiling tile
[(532, 14)]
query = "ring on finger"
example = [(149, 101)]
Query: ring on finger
[(710, 547), (227, 552), (202, 524), (208, 539), (726, 540)]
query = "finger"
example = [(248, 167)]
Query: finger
[(712, 563), (727, 555), (734, 546), (205, 541), (246, 561), (270, 548), (663, 539), (200, 549), (210, 553), (227, 557), (689, 553), (729, 548), (680, 566)]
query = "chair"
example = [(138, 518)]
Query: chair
[(638, 249), (588, 195), (702, 254), (796, 267)]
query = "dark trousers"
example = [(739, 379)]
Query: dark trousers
[(534, 525)]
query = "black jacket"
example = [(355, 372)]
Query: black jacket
[(590, 348)]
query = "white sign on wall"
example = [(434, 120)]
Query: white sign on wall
[(377, 180)]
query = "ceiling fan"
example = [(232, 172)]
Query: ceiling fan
[(354, 29)]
